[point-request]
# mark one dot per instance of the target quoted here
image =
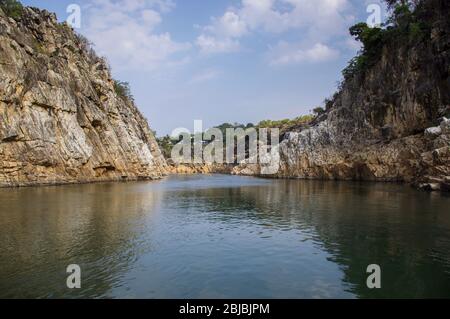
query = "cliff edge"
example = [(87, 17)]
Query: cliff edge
[(61, 118), (388, 123)]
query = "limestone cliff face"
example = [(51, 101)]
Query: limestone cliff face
[(189, 169), (60, 118), (386, 125)]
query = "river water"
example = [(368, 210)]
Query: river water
[(224, 237)]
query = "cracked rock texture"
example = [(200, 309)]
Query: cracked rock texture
[(390, 124), (60, 118)]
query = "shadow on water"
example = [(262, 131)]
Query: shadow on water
[(223, 236)]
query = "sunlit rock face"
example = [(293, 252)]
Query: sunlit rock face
[(61, 120), (188, 169), (389, 124)]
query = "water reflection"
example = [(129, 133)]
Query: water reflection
[(224, 236), (43, 230)]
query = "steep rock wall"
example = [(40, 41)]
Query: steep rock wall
[(61, 120), (388, 124)]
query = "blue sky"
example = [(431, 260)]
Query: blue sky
[(221, 60)]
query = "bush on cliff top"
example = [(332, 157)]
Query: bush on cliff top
[(404, 26), (12, 8), (123, 90)]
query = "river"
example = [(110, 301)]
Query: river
[(222, 236)]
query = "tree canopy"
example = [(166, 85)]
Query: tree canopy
[(12, 8)]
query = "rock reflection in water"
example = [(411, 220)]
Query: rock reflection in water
[(224, 237), (101, 227)]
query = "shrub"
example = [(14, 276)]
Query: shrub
[(87, 47), (166, 145), (12, 8), (329, 102), (38, 47), (401, 16), (356, 65), (123, 90), (402, 27), (286, 123)]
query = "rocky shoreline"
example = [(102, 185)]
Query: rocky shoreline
[(64, 122), (422, 160)]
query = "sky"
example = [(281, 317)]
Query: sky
[(221, 60)]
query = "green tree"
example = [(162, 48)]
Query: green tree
[(393, 3), (166, 145), (123, 90), (12, 8)]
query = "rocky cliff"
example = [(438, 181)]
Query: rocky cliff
[(387, 124), (61, 120)]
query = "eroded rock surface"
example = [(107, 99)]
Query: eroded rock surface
[(61, 120), (188, 169), (389, 124)]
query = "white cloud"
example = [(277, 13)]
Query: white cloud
[(353, 45), (210, 44), (151, 18), (229, 25), (317, 21), (262, 14), (287, 54), (124, 31)]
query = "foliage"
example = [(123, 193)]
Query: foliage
[(12, 8), (38, 47), (328, 102), (372, 40), (355, 66), (393, 3), (87, 47), (123, 90), (401, 15), (403, 26), (286, 123), (416, 31), (166, 144)]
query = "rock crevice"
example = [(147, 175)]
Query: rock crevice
[(61, 119)]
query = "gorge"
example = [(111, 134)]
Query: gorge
[(63, 121), (134, 224)]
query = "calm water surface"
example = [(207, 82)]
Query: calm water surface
[(224, 237)]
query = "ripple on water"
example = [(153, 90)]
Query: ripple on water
[(224, 236)]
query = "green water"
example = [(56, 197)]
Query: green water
[(224, 237)]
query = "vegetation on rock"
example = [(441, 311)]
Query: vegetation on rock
[(63, 125), (123, 90), (12, 8), (286, 124), (405, 25), (166, 144)]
